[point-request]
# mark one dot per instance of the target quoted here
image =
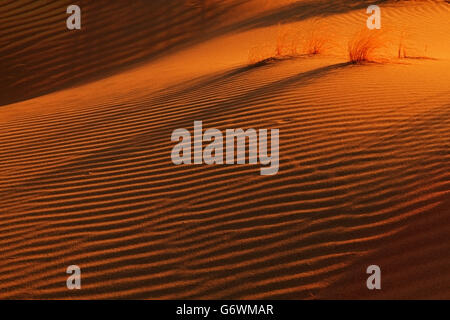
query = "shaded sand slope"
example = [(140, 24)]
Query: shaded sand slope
[(424, 244), (39, 55), (86, 177)]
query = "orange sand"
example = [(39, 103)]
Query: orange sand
[(86, 176)]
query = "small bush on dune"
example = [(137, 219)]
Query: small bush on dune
[(285, 42), (408, 50), (260, 54), (365, 45), (313, 40), (402, 47), (317, 40), (316, 44), (291, 43), (285, 46)]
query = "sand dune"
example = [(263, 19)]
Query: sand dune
[(86, 176)]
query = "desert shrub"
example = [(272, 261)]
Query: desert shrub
[(365, 45)]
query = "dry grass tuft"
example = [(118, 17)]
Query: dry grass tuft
[(284, 42), (402, 46), (365, 45), (316, 44), (260, 54), (285, 46), (408, 50), (291, 43), (317, 40)]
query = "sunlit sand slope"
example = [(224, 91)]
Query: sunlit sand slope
[(86, 176)]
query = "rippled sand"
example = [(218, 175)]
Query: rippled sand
[(86, 176)]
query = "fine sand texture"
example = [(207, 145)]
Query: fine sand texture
[(87, 179)]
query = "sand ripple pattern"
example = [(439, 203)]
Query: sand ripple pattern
[(94, 186), (364, 177)]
